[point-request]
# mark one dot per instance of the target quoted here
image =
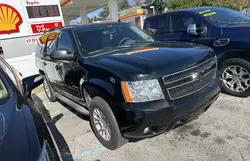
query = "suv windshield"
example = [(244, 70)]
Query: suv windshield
[(222, 16), (99, 39)]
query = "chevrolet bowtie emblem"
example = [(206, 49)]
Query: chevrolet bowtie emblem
[(196, 76)]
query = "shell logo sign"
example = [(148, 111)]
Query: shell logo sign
[(10, 19)]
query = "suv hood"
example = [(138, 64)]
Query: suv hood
[(155, 59)]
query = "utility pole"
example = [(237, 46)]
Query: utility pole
[(153, 8)]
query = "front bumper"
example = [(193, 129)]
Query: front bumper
[(161, 116)]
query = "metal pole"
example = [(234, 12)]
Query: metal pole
[(153, 8)]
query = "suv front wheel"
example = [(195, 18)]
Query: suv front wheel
[(48, 90), (104, 124), (235, 76)]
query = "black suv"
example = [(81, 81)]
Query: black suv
[(129, 85), (225, 30)]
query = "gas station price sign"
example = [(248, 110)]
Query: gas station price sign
[(43, 11)]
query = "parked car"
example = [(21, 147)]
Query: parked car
[(23, 132), (129, 85), (225, 30)]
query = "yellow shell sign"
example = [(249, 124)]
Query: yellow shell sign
[(10, 19)]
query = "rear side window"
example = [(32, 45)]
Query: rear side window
[(9, 72), (180, 22), (160, 23), (3, 92)]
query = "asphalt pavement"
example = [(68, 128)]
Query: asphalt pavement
[(220, 134)]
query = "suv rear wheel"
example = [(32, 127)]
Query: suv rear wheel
[(104, 124), (235, 75), (50, 93)]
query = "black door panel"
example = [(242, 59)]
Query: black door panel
[(66, 71)]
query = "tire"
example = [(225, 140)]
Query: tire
[(49, 91), (116, 140), (235, 83)]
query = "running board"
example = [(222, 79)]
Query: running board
[(76, 106)]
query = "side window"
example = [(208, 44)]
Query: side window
[(9, 72), (51, 44), (64, 42), (180, 22), (3, 93), (160, 23)]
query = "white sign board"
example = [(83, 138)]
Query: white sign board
[(21, 17)]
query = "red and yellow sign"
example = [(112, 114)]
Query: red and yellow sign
[(64, 2), (48, 36), (10, 19), (138, 12), (40, 28)]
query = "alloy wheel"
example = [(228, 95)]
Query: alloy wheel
[(46, 88), (101, 124), (236, 78)]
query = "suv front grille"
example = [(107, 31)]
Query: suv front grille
[(191, 80)]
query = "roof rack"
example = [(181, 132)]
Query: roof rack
[(53, 29)]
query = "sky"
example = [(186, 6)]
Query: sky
[(90, 15), (95, 13)]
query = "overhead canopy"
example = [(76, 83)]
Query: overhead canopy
[(71, 8)]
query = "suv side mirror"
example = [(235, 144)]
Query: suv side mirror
[(31, 82), (192, 30), (61, 54)]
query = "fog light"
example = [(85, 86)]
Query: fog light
[(146, 130)]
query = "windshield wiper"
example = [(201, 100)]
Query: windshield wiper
[(136, 42), (143, 41), (105, 49)]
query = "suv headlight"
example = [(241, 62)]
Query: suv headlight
[(142, 91)]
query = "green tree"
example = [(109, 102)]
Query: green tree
[(159, 6), (180, 4), (124, 4), (95, 19), (233, 4), (104, 13), (89, 20)]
